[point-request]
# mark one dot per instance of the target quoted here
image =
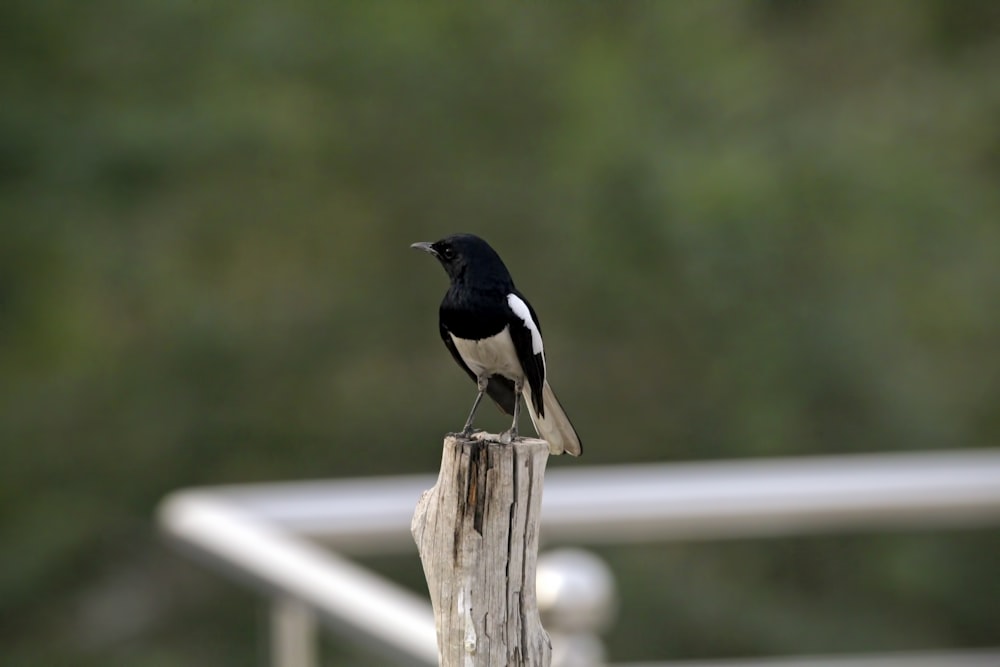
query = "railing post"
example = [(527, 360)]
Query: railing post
[(293, 634), (477, 534), (577, 600)]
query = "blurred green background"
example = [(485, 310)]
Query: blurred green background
[(751, 228)]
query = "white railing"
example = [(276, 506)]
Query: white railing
[(268, 535)]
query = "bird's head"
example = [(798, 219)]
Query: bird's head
[(464, 256)]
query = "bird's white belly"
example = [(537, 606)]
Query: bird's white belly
[(491, 356)]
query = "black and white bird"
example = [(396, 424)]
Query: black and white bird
[(493, 333)]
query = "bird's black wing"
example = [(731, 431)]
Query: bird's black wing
[(499, 388), (531, 356)]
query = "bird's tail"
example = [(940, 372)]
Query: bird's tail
[(555, 427)]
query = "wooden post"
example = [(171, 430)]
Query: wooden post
[(477, 533)]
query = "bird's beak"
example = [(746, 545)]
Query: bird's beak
[(425, 246)]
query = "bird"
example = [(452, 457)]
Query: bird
[(494, 335)]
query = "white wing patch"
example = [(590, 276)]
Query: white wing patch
[(520, 309)]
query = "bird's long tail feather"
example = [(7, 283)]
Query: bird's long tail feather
[(555, 427)]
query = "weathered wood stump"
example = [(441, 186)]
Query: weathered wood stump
[(477, 534)]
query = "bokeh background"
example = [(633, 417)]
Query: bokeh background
[(751, 229)]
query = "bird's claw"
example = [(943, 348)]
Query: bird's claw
[(507, 437)]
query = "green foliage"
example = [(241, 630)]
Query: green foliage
[(752, 228)]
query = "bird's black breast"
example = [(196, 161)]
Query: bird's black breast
[(473, 315)]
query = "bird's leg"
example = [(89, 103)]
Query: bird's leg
[(511, 434), (481, 383)]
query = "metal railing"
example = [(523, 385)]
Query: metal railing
[(269, 535)]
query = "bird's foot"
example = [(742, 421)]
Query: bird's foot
[(509, 436), (468, 432)]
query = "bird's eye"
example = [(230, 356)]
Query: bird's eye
[(448, 252)]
